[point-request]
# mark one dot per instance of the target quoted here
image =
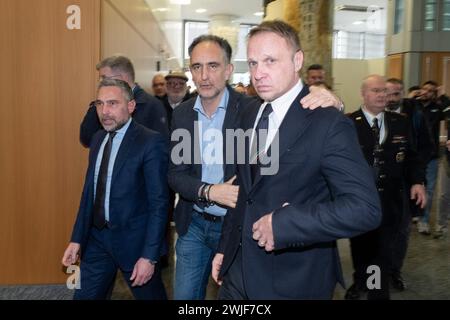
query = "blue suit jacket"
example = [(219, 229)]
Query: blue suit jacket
[(138, 197), (331, 194)]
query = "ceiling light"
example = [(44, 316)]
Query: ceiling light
[(160, 10), (180, 2), (259, 14), (200, 10), (358, 22)]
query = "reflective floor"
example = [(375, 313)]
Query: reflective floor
[(426, 271)]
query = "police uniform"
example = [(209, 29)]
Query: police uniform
[(396, 165)]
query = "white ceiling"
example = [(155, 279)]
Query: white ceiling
[(244, 11), (373, 22)]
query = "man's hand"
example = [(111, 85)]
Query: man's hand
[(216, 266), (225, 194), (419, 194), (263, 233), (142, 272), (321, 97), (71, 254)]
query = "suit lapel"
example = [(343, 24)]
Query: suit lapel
[(387, 126), (124, 149), (248, 124), (192, 125), (294, 124), (363, 126), (229, 123)]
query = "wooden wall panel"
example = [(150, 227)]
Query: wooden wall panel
[(48, 79), (434, 67), (395, 66)]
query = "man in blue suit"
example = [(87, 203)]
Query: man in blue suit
[(279, 240), (123, 211)]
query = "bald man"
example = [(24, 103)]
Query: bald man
[(385, 139)]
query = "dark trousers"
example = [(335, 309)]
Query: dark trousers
[(377, 247), (98, 270), (233, 283)]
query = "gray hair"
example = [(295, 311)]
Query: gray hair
[(221, 42), (118, 63), (124, 87)]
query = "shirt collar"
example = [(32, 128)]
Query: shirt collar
[(124, 129), (223, 104), (369, 116), (282, 104)]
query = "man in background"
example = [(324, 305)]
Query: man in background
[(385, 139), (421, 138), (176, 92), (149, 111), (159, 86), (315, 75)]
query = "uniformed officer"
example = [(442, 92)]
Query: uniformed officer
[(385, 139)]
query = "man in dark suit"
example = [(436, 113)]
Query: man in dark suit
[(149, 111), (123, 210), (386, 141), (204, 184), (423, 143), (279, 240)]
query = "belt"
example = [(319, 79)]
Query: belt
[(210, 217)]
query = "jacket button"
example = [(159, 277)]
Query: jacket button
[(249, 201), (240, 228)]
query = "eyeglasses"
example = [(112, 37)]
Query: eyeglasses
[(176, 83)]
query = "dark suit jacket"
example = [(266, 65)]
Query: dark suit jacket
[(186, 178), (421, 136), (149, 112), (168, 107), (138, 197), (400, 167), (331, 194)]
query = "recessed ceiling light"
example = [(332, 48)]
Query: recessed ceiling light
[(160, 10), (358, 22), (201, 10), (259, 14)]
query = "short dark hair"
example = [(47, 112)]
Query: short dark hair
[(315, 67), (118, 63), (280, 28), (221, 42), (414, 88), (395, 81), (123, 85), (431, 82)]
